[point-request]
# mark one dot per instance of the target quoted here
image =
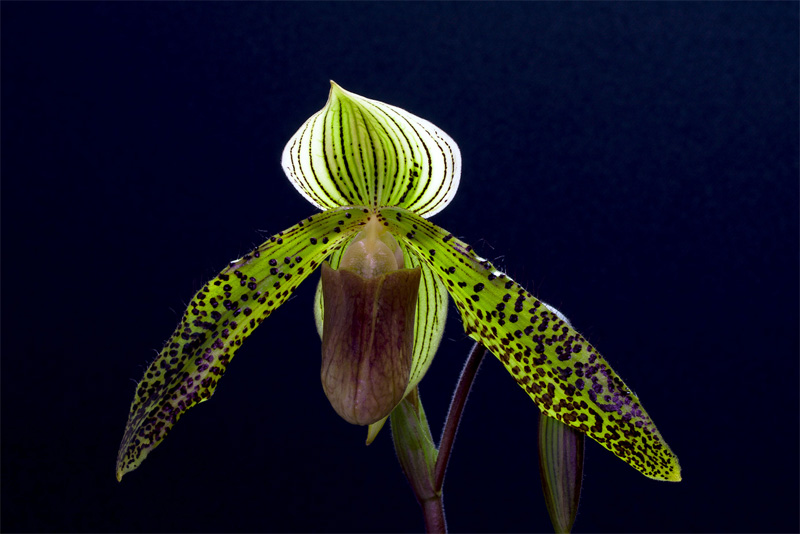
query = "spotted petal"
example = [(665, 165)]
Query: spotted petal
[(219, 317), (357, 151), (555, 365)]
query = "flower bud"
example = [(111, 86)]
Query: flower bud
[(561, 469), (414, 446), (560, 465)]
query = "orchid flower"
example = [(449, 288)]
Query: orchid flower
[(377, 173)]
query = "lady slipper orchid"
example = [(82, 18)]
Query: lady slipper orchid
[(378, 172)]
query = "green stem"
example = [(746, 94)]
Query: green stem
[(454, 414)]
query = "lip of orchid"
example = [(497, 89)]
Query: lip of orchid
[(367, 341)]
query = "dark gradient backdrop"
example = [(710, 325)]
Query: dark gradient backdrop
[(634, 164)]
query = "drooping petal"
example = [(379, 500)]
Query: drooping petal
[(556, 366), (219, 317), (357, 151)]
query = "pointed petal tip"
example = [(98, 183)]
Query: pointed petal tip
[(336, 93), (337, 90), (123, 468), (675, 476), (373, 430), (339, 93), (670, 474)]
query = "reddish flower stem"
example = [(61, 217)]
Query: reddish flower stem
[(434, 515), (454, 413)]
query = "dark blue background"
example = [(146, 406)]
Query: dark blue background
[(634, 164)]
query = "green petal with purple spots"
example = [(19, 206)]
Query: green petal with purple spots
[(566, 377), (357, 151), (218, 319)]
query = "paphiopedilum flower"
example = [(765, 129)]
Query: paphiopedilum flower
[(378, 172)]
